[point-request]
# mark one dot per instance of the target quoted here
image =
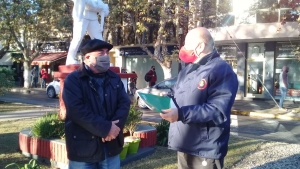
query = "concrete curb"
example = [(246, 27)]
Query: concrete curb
[(27, 91), (282, 116)]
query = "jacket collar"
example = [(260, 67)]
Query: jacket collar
[(204, 60), (208, 57), (82, 72)]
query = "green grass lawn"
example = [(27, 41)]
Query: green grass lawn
[(9, 106), (9, 142), (163, 158)]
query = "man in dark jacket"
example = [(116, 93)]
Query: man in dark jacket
[(204, 92), (34, 77), (152, 74), (97, 107)]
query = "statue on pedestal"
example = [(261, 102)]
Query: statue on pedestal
[(85, 18)]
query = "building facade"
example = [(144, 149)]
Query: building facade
[(258, 43), (133, 58), (256, 37)]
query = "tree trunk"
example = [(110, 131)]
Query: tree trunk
[(195, 20), (27, 76), (167, 72)]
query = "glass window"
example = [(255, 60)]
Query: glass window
[(255, 77), (266, 16), (255, 68), (294, 72), (228, 53), (288, 15), (289, 3), (161, 85), (167, 84), (262, 4), (227, 20), (285, 56), (225, 6), (286, 50), (284, 3), (170, 83), (256, 50), (245, 18)]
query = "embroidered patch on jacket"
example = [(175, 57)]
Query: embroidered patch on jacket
[(202, 84)]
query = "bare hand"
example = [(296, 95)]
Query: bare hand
[(108, 138), (170, 115), (113, 132)]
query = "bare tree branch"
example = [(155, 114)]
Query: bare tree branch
[(16, 38)]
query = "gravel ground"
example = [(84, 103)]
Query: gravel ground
[(274, 155)]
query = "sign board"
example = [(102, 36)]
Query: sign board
[(227, 51), (53, 47), (138, 51), (286, 50)]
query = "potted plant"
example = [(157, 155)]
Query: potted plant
[(134, 117), (124, 151)]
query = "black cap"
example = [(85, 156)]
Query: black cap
[(94, 45)]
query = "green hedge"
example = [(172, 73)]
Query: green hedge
[(6, 80), (162, 132), (49, 126)]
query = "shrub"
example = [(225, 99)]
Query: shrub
[(162, 132), (134, 117), (49, 126), (6, 80)]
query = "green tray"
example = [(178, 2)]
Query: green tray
[(155, 103)]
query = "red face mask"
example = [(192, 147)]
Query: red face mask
[(188, 56)]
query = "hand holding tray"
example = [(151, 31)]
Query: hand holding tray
[(155, 103)]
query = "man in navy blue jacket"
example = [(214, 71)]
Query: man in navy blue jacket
[(97, 107), (204, 92)]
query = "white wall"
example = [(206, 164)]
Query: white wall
[(256, 32), (142, 64)]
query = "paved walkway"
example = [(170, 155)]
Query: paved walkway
[(29, 91), (8, 116), (270, 155), (258, 105), (267, 109), (250, 107)]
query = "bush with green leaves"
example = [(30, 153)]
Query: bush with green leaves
[(6, 80), (162, 130), (31, 165), (134, 117), (49, 126)]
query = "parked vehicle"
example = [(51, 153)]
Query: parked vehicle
[(159, 89), (53, 88)]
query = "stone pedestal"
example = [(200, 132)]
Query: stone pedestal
[(65, 70)]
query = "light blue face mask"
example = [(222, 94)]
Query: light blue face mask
[(102, 63)]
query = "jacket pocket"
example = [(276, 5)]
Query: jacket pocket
[(203, 133), (84, 145)]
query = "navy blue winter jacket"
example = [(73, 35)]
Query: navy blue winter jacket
[(84, 124), (205, 93)]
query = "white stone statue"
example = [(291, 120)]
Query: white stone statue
[(85, 18)]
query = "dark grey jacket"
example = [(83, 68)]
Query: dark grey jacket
[(84, 124)]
